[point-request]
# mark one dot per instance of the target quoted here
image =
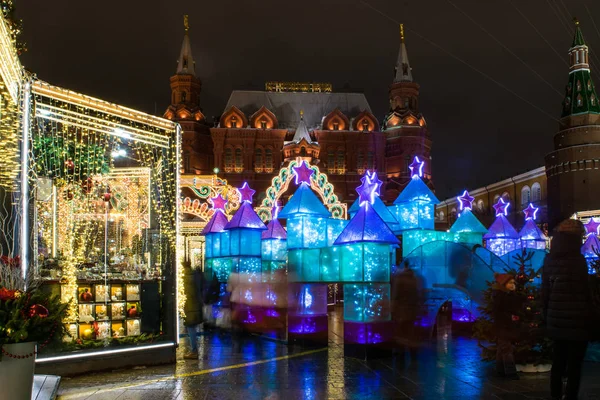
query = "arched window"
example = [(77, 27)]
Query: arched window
[(336, 126), (263, 123), (442, 216), (268, 160), (365, 125), (496, 198), (331, 162), (579, 100), (506, 197), (183, 97), (370, 161), (258, 160), (360, 163), (480, 206), (233, 122), (228, 159), (525, 195), (536, 192), (239, 160)]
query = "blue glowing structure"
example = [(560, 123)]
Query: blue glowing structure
[(386, 213), (589, 250), (274, 249), (217, 241), (502, 238), (414, 208), (468, 229), (531, 236), (365, 253)]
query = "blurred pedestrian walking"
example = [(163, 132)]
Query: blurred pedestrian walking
[(192, 308), (506, 309)]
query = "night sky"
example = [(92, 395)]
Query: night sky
[(126, 51)]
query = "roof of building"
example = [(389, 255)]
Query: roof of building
[(403, 70), (185, 63), (287, 105), (301, 132), (578, 38), (366, 226)]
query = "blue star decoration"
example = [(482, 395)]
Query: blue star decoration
[(416, 168), (372, 176), (530, 212), (591, 227), (246, 193), (367, 190), (218, 202), (465, 201), (303, 173), (501, 207)]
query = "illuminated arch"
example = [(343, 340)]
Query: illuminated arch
[(263, 115), (318, 182), (233, 118), (336, 119), (365, 120)]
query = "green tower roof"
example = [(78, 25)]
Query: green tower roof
[(578, 39)]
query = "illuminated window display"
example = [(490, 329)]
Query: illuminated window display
[(106, 184)]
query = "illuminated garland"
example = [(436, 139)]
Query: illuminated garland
[(318, 182), (9, 140), (202, 209)]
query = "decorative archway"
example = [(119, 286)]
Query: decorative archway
[(318, 182)]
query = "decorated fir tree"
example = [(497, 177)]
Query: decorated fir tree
[(531, 347)]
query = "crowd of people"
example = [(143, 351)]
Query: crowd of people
[(570, 318)]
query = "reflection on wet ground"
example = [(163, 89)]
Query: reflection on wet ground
[(446, 368)]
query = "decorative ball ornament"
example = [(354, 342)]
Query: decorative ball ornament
[(521, 277), (87, 185), (39, 311), (70, 165), (106, 197), (86, 295), (132, 312)]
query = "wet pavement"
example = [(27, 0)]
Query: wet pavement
[(447, 368)]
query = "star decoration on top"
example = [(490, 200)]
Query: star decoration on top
[(530, 212), (591, 227), (303, 173), (246, 193), (416, 168), (374, 179), (465, 201), (367, 191), (501, 207), (218, 202)]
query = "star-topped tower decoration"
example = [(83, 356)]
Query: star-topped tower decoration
[(465, 201), (218, 202), (530, 212), (416, 168), (246, 193), (367, 190), (591, 227), (303, 173), (501, 207), (375, 180)]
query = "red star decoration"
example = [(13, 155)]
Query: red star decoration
[(530, 212), (303, 173), (218, 202), (591, 227), (246, 193)]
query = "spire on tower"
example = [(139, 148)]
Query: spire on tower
[(403, 70), (302, 131), (186, 65)]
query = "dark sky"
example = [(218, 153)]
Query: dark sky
[(126, 51)]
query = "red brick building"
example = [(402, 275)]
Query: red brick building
[(260, 130)]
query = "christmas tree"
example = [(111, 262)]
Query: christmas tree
[(531, 347)]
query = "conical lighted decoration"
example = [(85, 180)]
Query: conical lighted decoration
[(217, 241), (274, 248), (467, 228), (306, 236), (415, 206), (592, 245), (365, 246), (501, 238), (531, 236)]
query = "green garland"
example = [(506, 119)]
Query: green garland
[(81, 344)]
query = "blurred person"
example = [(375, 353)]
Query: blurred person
[(406, 305), (210, 296), (567, 306), (192, 308), (506, 308)]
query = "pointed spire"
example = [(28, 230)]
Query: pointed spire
[(403, 71), (578, 39), (186, 64), (302, 131)]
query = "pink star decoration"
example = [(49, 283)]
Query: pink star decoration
[(367, 190), (465, 201), (501, 207), (246, 193), (218, 202), (591, 227), (416, 168), (303, 173), (530, 212)]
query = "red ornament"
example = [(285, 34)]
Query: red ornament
[(87, 185), (107, 197), (70, 165), (38, 310), (86, 295), (132, 312)]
